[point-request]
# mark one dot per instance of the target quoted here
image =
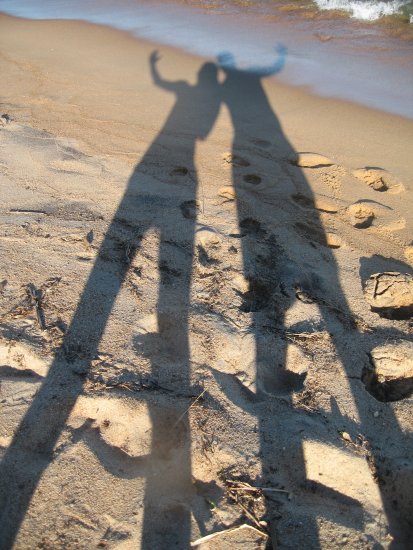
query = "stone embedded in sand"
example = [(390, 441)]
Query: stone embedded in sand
[(227, 192), (393, 361), (391, 375), (408, 253), (333, 240), (207, 238), (310, 160), (361, 216), (390, 294), (325, 206)]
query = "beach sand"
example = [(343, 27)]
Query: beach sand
[(188, 342)]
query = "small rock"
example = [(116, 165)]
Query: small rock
[(408, 253), (227, 192), (390, 294), (391, 376), (310, 160), (333, 240), (207, 238), (90, 237), (393, 361), (325, 206), (361, 216)]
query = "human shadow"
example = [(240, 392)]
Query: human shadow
[(272, 221), (167, 164), (281, 252)]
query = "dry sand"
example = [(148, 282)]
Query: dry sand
[(182, 309)]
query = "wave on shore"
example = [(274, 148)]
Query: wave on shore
[(368, 10)]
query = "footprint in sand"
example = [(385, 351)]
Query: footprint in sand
[(253, 179), (189, 209), (379, 179), (263, 143), (179, 171), (76, 167)]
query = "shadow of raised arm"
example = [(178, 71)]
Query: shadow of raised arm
[(156, 77), (226, 61)]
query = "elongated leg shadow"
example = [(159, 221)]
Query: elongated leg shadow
[(168, 468), (265, 268)]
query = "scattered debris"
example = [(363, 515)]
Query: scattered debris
[(207, 538)]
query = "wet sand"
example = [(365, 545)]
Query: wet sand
[(182, 310)]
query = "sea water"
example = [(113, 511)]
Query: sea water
[(357, 50)]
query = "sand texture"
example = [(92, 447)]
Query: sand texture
[(190, 340)]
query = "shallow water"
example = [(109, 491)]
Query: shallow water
[(331, 54)]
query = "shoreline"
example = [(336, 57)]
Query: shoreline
[(327, 112), (184, 314), (333, 58)]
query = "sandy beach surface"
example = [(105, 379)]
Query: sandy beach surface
[(206, 296)]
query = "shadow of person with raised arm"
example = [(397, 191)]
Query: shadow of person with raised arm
[(286, 261), (168, 166)]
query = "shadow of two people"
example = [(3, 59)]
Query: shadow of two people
[(173, 152)]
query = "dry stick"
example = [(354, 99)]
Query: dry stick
[(188, 409), (249, 515), (26, 211), (259, 489), (207, 538)]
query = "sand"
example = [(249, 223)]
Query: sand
[(185, 343)]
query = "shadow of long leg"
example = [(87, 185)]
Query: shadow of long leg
[(32, 448), (168, 486)]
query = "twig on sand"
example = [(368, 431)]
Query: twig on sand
[(188, 409), (207, 538), (26, 211), (272, 489), (37, 296)]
